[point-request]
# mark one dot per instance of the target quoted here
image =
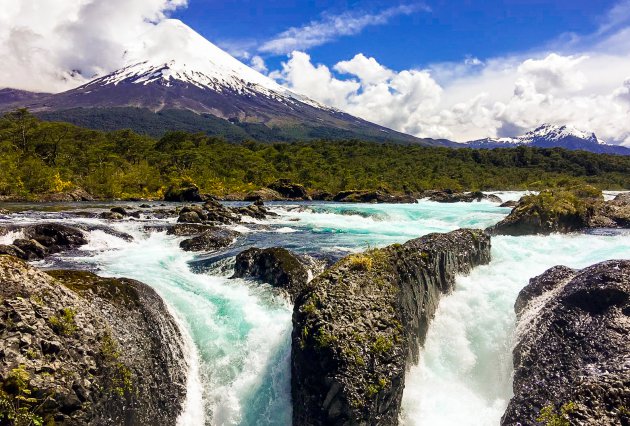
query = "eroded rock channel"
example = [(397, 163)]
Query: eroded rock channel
[(359, 325)]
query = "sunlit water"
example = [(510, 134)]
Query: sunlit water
[(238, 332)]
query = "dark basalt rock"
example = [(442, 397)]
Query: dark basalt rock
[(32, 249), (72, 196), (563, 210), (55, 237), (211, 239), (264, 194), (256, 211), (90, 350), (217, 212), (120, 210), (322, 196), (187, 229), (11, 250), (572, 347), (288, 189), (449, 196), (183, 193), (511, 204), (278, 267), (213, 212), (374, 197), (359, 325)]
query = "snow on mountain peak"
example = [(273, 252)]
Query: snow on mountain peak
[(553, 132), (172, 52)]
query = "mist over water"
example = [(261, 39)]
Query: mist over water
[(238, 332)]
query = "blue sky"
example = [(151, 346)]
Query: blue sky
[(436, 31), (455, 69)]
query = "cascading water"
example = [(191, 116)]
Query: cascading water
[(239, 332)]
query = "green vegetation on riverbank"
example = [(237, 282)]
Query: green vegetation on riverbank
[(39, 157)]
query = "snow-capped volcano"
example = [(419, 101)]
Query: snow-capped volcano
[(173, 68), (553, 136)]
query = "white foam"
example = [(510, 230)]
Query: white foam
[(464, 376)]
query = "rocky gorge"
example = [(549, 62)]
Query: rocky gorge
[(350, 337), (359, 325)]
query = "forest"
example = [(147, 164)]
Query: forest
[(41, 157)]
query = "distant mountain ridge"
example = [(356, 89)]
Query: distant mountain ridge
[(553, 136)]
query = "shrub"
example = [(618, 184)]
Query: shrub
[(63, 323)]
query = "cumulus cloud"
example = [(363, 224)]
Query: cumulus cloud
[(506, 98), (331, 27), (73, 40), (258, 64)]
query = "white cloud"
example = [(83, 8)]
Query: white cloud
[(53, 45), (507, 97), (258, 64), (331, 27)]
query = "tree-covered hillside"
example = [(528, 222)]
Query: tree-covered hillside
[(39, 157)]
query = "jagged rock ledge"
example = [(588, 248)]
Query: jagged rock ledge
[(85, 350), (278, 267), (564, 210), (572, 358), (359, 325)]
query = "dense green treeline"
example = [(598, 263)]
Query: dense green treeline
[(39, 157)]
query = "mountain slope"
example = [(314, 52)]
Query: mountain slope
[(186, 72), (553, 136)]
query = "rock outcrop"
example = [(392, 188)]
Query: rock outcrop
[(211, 239), (572, 358), (77, 349), (564, 210), (44, 239), (374, 197), (72, 196), (263, 194), (213, 212), (278, 267), (183, 192), (462, 197), (290, 190), (359, 325)]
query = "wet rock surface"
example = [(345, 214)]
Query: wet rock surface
[(88, 350), (210, 239), (572, 358), (290, 190), (213, 212), (278, 267), (564, 210), (461, 197), (374, 197), (359, 325), (183, 193)]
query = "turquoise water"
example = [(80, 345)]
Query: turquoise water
[(238, 332)]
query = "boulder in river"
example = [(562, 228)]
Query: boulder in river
[(571, 360), (359, 325), (374, 197), (32, 249), (263, 194), (277, 266), (183, 192), (213, 238), (449, 196), (55, 237), (563, 210), (288, 189), (78, 349)]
